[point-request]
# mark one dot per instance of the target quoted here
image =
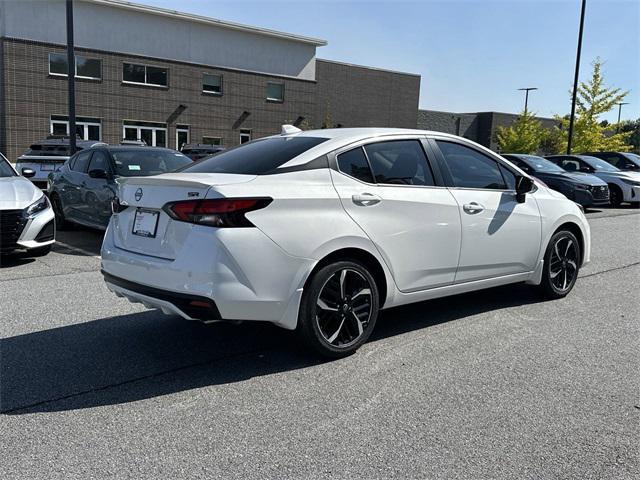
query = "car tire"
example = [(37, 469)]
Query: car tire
[(61, 222), (39, 252), (615, 195), (561, 265), (339, 309)]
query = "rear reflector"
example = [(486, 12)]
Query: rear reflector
[(220, 212)]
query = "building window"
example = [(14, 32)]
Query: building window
[(144, 75), (90, 68), (245, 136), (86, 128), (153, 134), (212, 140), (212, 84), (182, 136), (275, 92)]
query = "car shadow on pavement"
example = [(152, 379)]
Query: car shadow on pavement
[(15, 260), (79, 240), (144, 355)]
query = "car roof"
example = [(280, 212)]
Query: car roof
[(65, 142), (136, 148)]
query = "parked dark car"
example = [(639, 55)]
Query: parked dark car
[(196, 151), (582, 188), (625, 161), (46, 156), (82, 190), (624, 186)]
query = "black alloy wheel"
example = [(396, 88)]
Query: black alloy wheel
[(339, 309)]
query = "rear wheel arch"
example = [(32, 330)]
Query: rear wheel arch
[(361, 256)]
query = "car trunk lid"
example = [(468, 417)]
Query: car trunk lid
[(144, 227)]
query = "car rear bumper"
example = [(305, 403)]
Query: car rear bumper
[(231, 275)]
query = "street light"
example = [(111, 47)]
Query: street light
[(619, 112), (575, 78), (526, 96)]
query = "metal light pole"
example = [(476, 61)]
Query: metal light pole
[(526, 96), (619, 113), (575, 79), (71, 78)]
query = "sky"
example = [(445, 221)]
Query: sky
[(472, 55)]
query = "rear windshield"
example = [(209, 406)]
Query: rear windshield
[(255, 158), (142, 162), (5, 168)]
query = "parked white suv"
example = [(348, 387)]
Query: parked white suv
[(319, 230)]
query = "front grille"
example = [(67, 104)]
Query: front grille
[(12, 224), (600, 192)]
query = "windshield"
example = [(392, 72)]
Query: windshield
[(5, 168), (140, 162), (257, 157), (599, 165), (633, 157), (540, 164)]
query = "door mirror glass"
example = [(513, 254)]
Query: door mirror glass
[(524, 185), (28, 173), (97, 173)]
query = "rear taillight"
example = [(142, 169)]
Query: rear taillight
[(116, 206), (221, 212)]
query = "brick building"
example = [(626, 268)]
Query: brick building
[(171, 78), (480, 127)]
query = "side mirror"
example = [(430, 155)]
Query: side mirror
[(98, 173), (524, 185), (28, 173)]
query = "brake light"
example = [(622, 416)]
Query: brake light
[(221, 212)]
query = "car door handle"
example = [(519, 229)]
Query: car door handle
[(366, 199), (472, 208)]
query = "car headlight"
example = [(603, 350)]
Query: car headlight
[(41, 204), (580, 186)]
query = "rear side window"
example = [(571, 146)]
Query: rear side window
[(255, 158), (470, 168), (399, 162), (81, 162), (354, 163)]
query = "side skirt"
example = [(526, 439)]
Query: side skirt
[(406, 298)]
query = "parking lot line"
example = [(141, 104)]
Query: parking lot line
[(77, 249)]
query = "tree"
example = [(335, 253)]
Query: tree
[(523, 136), (632, 127), (594, 99), (328, 118)]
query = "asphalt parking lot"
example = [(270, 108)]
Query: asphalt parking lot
[(494, 384)]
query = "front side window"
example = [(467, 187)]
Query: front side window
[(144, 74), (354, 163), (143, 161), (99, 161), (256, 158), (470, 168), (212, 83), (399, 162), (81, 162), (85, 67), (275, 92)]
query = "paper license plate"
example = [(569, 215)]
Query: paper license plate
[(145, 223)]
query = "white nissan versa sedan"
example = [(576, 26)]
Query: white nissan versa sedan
[(26, 217), (319, 230)]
